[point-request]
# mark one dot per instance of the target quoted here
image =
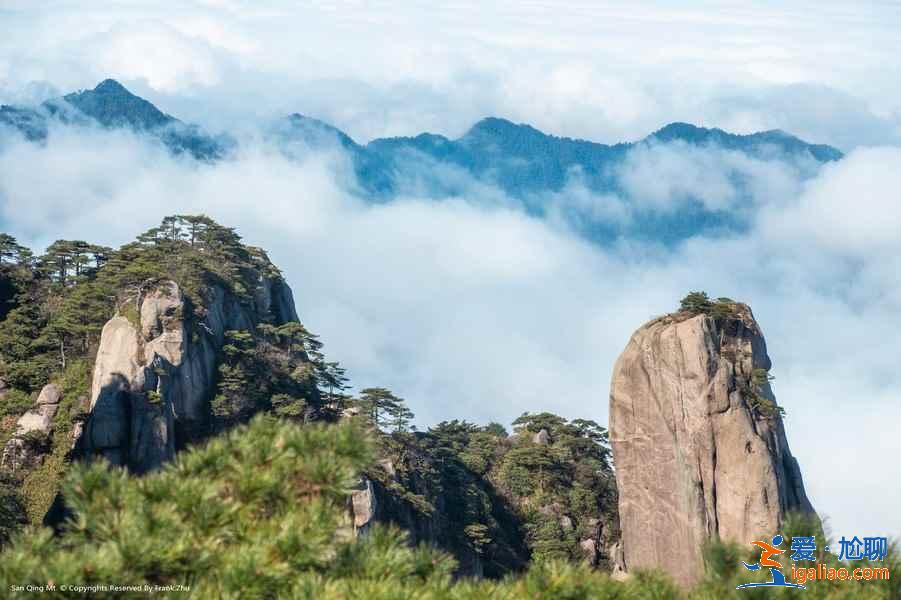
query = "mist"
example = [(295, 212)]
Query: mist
[(471, 308)]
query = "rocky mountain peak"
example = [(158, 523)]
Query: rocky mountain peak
[(698, 439), (112, 105), (111, 86), (156, 367)]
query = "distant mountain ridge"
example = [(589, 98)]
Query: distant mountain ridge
[(112, 106), (523, 162)]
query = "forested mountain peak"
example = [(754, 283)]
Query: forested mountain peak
[(143, 330), (132, 355), (112, 105)]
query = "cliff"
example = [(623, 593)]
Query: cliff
[(136, 354), (698, 440), (155, 375), (142, 351)]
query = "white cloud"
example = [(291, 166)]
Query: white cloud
[(468, 307), (479, 311), (661, 177), (599, 70), (157, 53), (851, 210)]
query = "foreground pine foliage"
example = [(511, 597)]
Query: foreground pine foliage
[(261, 513)]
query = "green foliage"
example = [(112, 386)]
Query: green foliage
[(40, 486), (504, 498), (266, 370), (755, 394), (237, 398), (479, 536), (699, 303), (55, 306), (15, 403), (536, 423), (232, 519), (722, 560), (61, 300), (565, 487), (723, 308), (67, 260), (25, 357), (384, 409), (438, 488), (16, 273), (11, 253), (75, 287), (696, 303), (288, 407), (496, 429), (260, 513), (12, 511)]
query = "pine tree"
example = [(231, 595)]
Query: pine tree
[(11, 253), (400, 417), (332, 380), (696, 303), (383, 407)]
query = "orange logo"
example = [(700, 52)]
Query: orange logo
[(767, 552)]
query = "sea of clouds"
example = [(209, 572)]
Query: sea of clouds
[(466, 305), (476, 310), (596, 69)]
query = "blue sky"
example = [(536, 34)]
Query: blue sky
[(472, 309)]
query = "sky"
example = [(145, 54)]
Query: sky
[(470, 308)]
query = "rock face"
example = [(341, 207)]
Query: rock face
[(155, 373), (25, 449), (695, 456), (363, 505)]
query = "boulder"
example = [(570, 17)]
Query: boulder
[(50, 395), (25, 449), (363, 505), (541, 438), (696, 455)]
